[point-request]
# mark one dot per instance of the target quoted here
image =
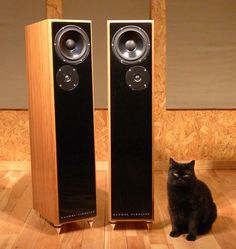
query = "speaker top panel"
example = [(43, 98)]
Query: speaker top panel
[(69, 20), (130, 21), (49, 21)]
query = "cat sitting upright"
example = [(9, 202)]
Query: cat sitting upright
[(191, 206)]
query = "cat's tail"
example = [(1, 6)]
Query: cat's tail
[(204, 228)]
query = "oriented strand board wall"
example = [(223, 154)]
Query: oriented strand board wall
[(185, 135), (14, 136)]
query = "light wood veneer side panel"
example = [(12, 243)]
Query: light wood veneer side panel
[(109, 121), (42, 120), (153, 150)]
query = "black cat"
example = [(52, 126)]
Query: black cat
[(191, 206)]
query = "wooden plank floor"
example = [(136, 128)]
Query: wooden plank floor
[(22, 228)]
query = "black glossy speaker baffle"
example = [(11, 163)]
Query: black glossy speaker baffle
[(74, 120), (131, 120)]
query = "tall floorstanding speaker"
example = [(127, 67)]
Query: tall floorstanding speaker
[(130, 53), (59, 65)]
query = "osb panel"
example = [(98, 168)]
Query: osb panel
[(54, 9), (14, 135), (185, 135)]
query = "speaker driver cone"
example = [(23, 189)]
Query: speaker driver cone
[(72, 44), (131, 44), (67, 78), (137, 78)]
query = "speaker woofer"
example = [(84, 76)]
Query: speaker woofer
[(131, 44), (72, 44)]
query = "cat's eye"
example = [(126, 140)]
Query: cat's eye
[(186, 176), (176, 174)]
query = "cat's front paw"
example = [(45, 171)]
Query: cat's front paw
[(175, 234), (191, 237)]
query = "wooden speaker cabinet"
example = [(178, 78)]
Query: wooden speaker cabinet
[(59, 67), (130, 55)]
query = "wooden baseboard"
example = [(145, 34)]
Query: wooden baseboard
[(199, 164), (103, 165), (25, 165), (15, 165)]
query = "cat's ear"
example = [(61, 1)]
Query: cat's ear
[(191, 165), (172, 163)]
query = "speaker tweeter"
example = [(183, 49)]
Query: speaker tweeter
[(67, 78), (137, 78)]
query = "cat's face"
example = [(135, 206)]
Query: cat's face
[(181, 174)]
